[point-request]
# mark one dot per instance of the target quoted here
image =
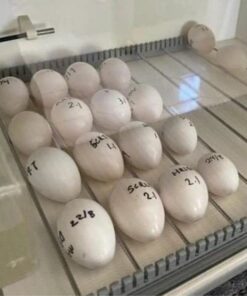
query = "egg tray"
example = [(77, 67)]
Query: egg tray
[(180, 266)]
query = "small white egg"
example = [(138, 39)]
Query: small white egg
[(14, 95), (47, 86), (99, 156), (146, 103), (219, 173), (140, 145), (184, 193), (232, 57), (86, 233), (29, 131), (83, 80), (54, 174), (201, 38), (137, 209), (179, 135), (115, 74), (110, 109), (71, 117)]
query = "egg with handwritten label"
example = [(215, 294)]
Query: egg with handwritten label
[(137, 209), (54, 174), (83, 80), (184, 193), (179, 135), (201, 38), (140, 145), (14, 95), (71, 118), (29, 131), (220, 174), (47, 86), (146, 103), (110, 109), (99, 156), (115, 74), (86, 233)]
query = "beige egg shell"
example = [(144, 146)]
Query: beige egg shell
[(232, 57), (220, 174), (184, 193), (99, 156), (83, 80), (54, 174), (86, 233), (29, 131), (140, 145), (137, 209), (146, 103), (115, 74), (201, 38), (110, 109), (47, 86), (179, 135), (71, 117), (14, 95)]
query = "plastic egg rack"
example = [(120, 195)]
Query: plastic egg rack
[(215, 101)]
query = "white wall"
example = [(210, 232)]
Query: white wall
[(88, 25)]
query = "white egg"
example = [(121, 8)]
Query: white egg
[(71, 117), (14, 95), (115, 74), (86, 233), (179, 135), (201, 38), (110, 109), (232, 57), (146, 103), (184, 193), (220, 174), (47, 86), (29, 131), (99, 156), (54, 174), (137, 209), (140, 145), (83, 80)]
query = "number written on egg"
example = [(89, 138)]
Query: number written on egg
[(191, 182), (61, 238), (32, 168), (149, 195), (132, 188), (215, 157), (5, 81), (69, 73), (96, 141), (84, 215)]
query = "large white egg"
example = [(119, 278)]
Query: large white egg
[(115, 74), (14, 95), (47, 86), (29, 131), (71, 117), (99, 156), (83, 80), (54, 174), (184, 193), (201, 38), (110, 109), (179, 135), (86, 233), (232, 57), (140, 145), (146, 103), (220, 174), (137, 209)]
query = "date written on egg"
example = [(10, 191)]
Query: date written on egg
[(84, 215), (70, 249), (216, 157), (96, 141), (31, 168)]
